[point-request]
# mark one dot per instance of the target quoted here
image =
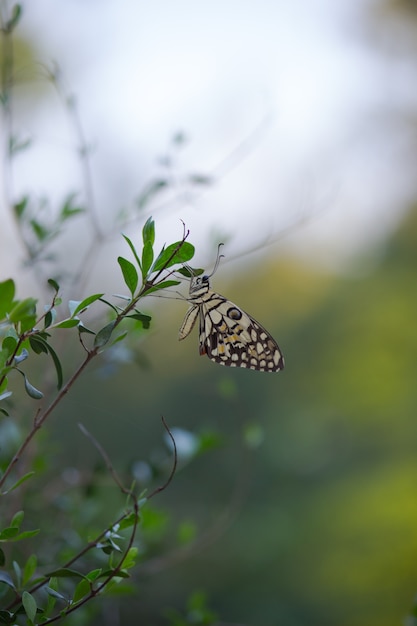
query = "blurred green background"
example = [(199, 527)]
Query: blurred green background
[(314, 519)]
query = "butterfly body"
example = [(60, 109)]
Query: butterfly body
[(228, 335)]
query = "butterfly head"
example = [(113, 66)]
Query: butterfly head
[(199, 285)]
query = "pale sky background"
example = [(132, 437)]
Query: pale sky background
[(311, 91)]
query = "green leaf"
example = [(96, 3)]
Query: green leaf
[(53, 284), (179, 252), (21, 480), (84, 304), (9, 533), (163, 285), (12, 534), (16, 14), (7, 291), (119, 338), (81, 590), (29, 604), (7, 579), (39, 230), (130, 559), (54, 593), (104, 335), (128, 521), (29, 568), (30, 389), (9, 345), (186, 272), (39, 344), (49, 318), (68, 323), (148, 231), (147, 258), (22, 310), (20, 207), (133, 249), (130, 274), (68, 209), (17, 519), (141, 317), (94, 574), (65, 572)]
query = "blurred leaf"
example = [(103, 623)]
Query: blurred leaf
[(200, 179), (23, 310), (65, 572), (141, 317), (119, 338), (179, 138), (81, 590), (7, 579), (2, 558), (104, 335), (179, 252), (39, 230), (151, 190), (17, 519), (94, 574), (29, 568), (7, 534), (9, 345), (128, 521), (187, 532), (15, 17), (12, 534), (130, 274), (130, 559), (30, 605), (20, 207), (254, 435), (69, 209), (17, 145), (21, 480)]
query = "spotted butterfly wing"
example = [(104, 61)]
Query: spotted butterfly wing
[(228, 335)]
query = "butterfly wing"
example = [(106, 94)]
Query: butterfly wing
[(231, 337)]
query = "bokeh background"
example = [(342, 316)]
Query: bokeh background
[(287, 130)]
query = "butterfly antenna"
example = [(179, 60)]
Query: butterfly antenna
[(189, 269), (219, 256)]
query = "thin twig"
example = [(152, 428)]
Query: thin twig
[(40, 418), (174, 464)]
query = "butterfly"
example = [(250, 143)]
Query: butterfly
[(228, 335)]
